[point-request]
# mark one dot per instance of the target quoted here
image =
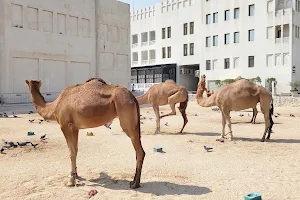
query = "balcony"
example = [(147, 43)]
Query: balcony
[(135, 63), (152, 42), (286, 39), (134, 45), (145, 62), (152, 61), (144, 44)]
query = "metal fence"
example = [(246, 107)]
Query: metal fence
[(23, 98)]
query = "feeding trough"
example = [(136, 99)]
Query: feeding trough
[(30, 133)]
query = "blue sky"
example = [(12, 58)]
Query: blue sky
[(138, 4)]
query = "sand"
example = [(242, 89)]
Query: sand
[(106, 161)]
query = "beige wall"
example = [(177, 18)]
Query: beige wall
[(63, 42)]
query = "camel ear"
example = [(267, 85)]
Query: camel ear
[(40, 83), (27, 82)]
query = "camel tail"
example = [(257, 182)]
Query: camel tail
[(271, 114)]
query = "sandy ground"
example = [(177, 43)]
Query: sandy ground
[(106, 161)]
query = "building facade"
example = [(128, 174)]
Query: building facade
[(62, 43), (223, 39)]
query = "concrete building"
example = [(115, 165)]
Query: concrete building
[(223, 39), (62, 43)]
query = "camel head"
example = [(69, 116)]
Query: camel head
[(34, 84), (201, 84)]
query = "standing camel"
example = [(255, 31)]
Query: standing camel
[(89, 105), (239, 95), (165, 93)]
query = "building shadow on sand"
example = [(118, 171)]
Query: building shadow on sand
[(156, 187)]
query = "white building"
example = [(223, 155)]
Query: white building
[(222, 38), (62, 43)]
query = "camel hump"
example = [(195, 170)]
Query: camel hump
[(170, 81), (98, 79)]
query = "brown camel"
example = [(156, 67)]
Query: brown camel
[(165, 93), (88, 105), (239, 95)]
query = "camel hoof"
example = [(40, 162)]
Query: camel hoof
[(262, 140), (71, 182), (134, 185)]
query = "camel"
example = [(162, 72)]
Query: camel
[(239, 95), (165, 93), (88, 105)]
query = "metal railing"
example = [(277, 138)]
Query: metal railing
[(24, 98)]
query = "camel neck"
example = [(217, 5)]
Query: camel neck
[(45, 110), (143, 99), (204, 102)]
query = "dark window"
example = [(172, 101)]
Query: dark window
[(163, 33), (169, 32), (208, 65), (251, 10), (227, 15), (236, 13), (191, 48), (215, 17), (164, 52), (251, 35), (191, 27), (169, 52), (226, 63), (208, 19), (251, 61), (185, 28), (185, 46), (227, 38)]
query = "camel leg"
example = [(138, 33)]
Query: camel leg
[(182, 109), (173, 112), (71, 136), (156, 111), (223, 126), (130, 123), (254, 115), (228, 120), (267, 123)]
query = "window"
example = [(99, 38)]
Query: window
[(169, 52), (185, 46), (270, 6), (191, 27), (250, 61), (236, 62), (185, 28), (215, 64), (251, 10), (169, 32), (164, 52), (270, 32), (227, 38), (215, 40), (227, 15), (215, 17), (226, 63), (208, 67), (286, 58), (208, 19), (236, 37), (278, 59), (191, 48), (270, 60), (163, 33), (208, 41), (236, 13), (251, 35)]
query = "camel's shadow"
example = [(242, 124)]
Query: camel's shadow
[(287, 141), (157, 188), (199, 134)]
